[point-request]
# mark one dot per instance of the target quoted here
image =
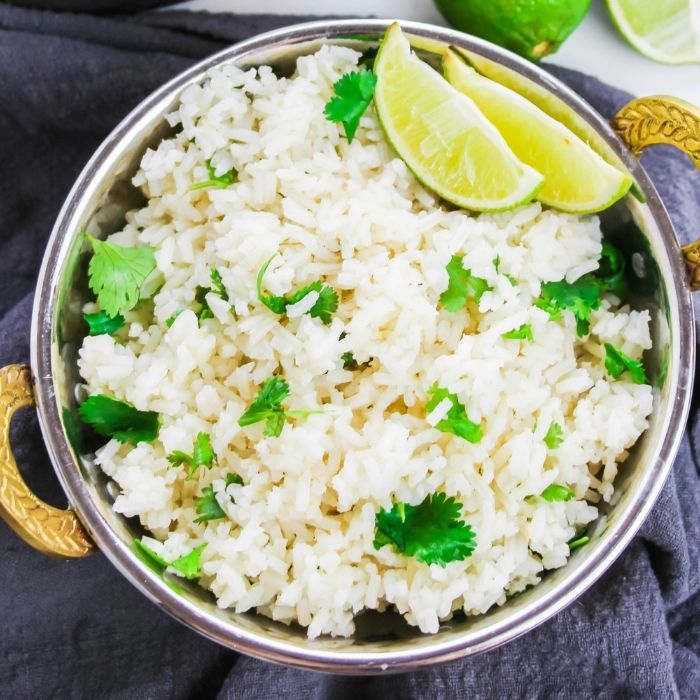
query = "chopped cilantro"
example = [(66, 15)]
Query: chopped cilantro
[(116, 273), (350, 363), (368, 57), (432, 531), (267, 406), (353, 93), (326, 304), (154, 562), (202, 455), (200, 298), (616, 362), (579, 297), (522, 333), (221, 181), (583, 296), (119, 419), (578, 542), (218, 289), (456, 421), (611, 271), (554, 436), (557, 492), (189, 564), (462, 285), (323, 308), (149, 557), (171, 319), (232, 478), (208, 507), (101, 323)]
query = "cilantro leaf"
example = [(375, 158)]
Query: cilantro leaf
[(119, 419), (353, 93), (274, 424), (189, 564), (267, 406), (218, 285), (208, 507), (221, 181), (577, 542), (522, 333), (368, 57), (116, 273), (323, 308), (202, 455), (432, 532), (232, 478), (203, 452), (616, 362), (200, 297), (149, 557), (611, 271), (326, 305), (456, 421), (349, 361), (462, 285), (557, 492), (554, 436), (177, 458), (579, 297), (101, 323), (216, 288), (276, 304), (171, 319), (583, 295)]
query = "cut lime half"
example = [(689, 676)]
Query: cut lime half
[(577, 179), (442, 136), (667, 31)]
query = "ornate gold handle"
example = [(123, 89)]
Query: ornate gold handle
[(664, 120), (48, 529)]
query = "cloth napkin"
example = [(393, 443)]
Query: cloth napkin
[(77, 629)]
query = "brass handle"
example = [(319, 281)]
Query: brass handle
[(671, 121), (48, 529)]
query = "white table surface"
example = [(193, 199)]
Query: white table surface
[(594, 48)]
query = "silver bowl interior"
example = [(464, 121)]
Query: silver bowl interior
[(383, 642)]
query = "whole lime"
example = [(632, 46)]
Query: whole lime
[(531, 28)]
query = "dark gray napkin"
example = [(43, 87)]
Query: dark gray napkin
[(78, 629)]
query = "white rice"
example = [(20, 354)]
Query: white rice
[(297, 543)]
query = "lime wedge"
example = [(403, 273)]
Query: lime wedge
[(441, 135), (554, 106), (577, 179), (663, 30)]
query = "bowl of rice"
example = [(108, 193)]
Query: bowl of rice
[(338, 425)]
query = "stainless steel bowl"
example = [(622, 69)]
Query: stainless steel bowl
[(97, 204)]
